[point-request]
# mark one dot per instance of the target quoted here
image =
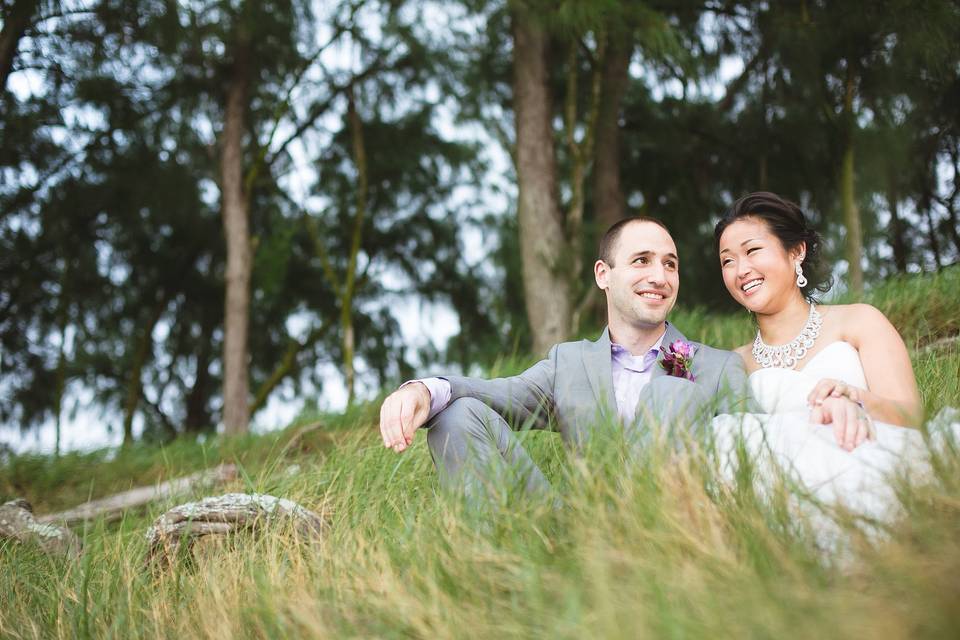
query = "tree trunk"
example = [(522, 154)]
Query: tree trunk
[(925, 206), (236, 227), (581, 156), (350, 279), (763, 162), (61, 386), (15, 25), (609, 202), (112, 507), (61, 383), (851, 213), (542, 243), (141, 354), (896, 227), (952, 225), (949, 203), (198, 415)]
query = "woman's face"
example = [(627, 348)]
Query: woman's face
[(757, 271)]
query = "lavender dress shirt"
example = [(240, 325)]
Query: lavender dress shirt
[(630, 375)]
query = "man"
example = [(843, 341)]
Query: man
[(579, 383)]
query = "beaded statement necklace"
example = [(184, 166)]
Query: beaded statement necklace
[(787, 356)]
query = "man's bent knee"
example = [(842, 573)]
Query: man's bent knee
[(463, 420)]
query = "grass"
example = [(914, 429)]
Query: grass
[(648, 547)]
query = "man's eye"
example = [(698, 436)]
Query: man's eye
[(640, 260), (671, 264)]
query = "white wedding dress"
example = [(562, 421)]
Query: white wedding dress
[(782, 444)]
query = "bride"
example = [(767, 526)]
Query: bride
[(841, 403)]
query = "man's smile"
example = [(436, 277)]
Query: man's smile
[(650, 294)]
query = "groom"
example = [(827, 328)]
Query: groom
[(579, 384)]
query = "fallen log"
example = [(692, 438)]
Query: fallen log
[(180, 528), (112, 507), (17, 523)]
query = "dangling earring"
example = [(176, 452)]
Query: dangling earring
[(801, 280)]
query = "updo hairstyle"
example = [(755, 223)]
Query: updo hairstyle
[(787, 222)]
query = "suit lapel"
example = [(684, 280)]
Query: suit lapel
[(596, 361), (671, 335)]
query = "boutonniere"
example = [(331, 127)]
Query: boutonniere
[(678, 359)]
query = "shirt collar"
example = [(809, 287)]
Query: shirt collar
[(640, 364)]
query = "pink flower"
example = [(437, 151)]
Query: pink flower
[(681, 348), (678, 359)]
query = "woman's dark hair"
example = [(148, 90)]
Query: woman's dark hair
[(787, 222)]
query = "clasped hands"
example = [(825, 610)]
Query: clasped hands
[(837, 403), (402, 413)]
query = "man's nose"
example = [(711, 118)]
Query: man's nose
[(656, 274)]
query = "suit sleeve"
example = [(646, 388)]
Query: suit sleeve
[(525, 400), (733, 392)]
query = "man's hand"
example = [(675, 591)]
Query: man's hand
[(851, 424), (402, 413)]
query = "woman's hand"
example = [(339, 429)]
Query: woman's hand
[(851, 424), (830, 388)]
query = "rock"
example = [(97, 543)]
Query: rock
[(229, 513), (17, 523)]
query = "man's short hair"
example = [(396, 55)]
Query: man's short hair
[(608, 243)]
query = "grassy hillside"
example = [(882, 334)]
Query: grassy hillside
[(655, 546)]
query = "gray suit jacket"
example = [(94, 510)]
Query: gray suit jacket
[(572, 389)]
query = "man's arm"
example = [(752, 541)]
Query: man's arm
[(526, 398)]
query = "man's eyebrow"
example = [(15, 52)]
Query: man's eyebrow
[(648, 252)]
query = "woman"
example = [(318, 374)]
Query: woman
[(835, 381)]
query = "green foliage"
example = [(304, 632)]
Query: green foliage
[(111, 251), (925, 309)]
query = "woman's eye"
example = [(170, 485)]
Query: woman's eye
[(752, 249)]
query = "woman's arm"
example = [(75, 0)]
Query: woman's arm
[(891, 395)]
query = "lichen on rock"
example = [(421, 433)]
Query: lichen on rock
[(17, 523), (229, 513)]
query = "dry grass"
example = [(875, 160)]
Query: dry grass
[(654, 546)]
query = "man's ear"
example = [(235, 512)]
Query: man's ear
[(601, 272)]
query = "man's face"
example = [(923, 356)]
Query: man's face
[(643, 282)]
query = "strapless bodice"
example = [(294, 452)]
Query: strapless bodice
[(786, 390)]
